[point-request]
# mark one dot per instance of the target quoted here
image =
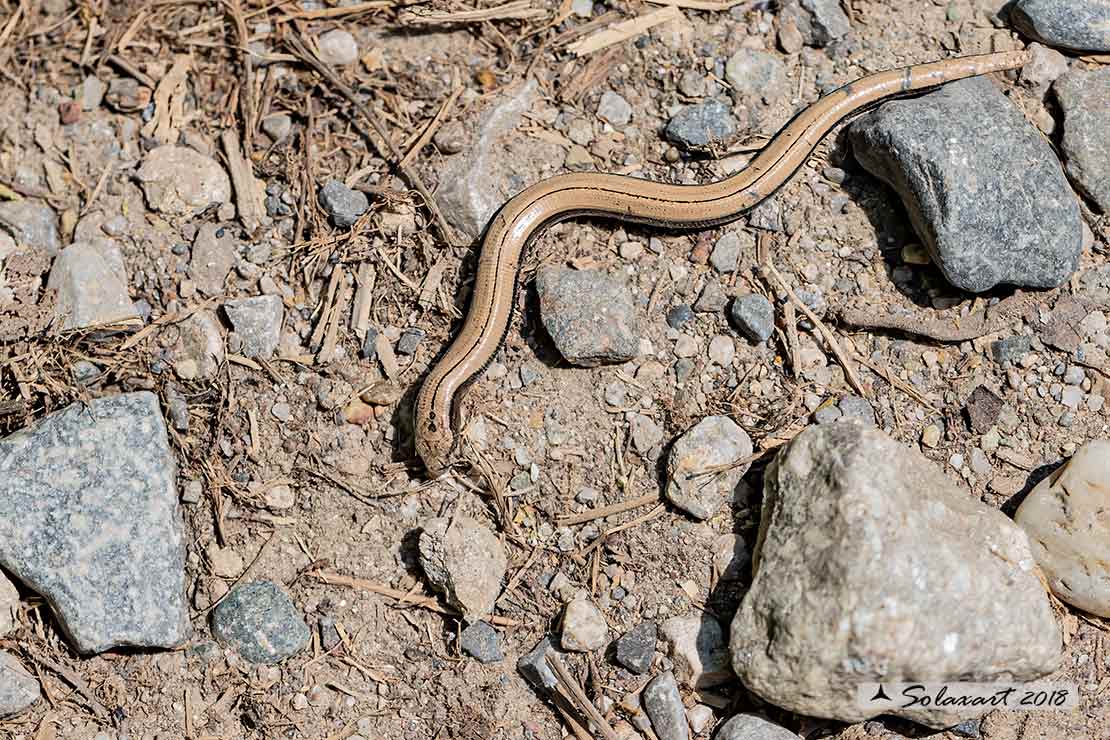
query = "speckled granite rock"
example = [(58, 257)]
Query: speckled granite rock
[(261, 622), (870, 566), (179, 181), (590, 316), (712, 442), (466, 561), (91, 284), (1085, 99), (31, 223), (257, 321), (1080, 25), (474, 184), (1065, 518), (18, 688), (701, 126), (89, 518), (956, 157)]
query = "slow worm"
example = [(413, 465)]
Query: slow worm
[(437, 412)]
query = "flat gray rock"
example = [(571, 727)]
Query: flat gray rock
[(214, 254), (1065, 518), (698, 648), (481, 641), (261, 622), (958, 157), (701, 126), (466, 561), (1079, 25), (257, 321), (89, 518), (756, 75), (31, 223), (475, 183), (713, 442), (18, 688), (753, 727), (754, 316), (179, 181), (1085, 99), (590, 316), (663, 704), (91, 284), (871, 565), (343, 204)]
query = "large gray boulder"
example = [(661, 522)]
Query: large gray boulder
[(983, 188), (1079, 25), (871, 566), (1084, 97)]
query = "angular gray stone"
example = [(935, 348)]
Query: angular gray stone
[(754, 316), (712, 442), (828, 21), (1085, 99), (755, 74), (464, 560), (91, 284), (475, 183), (277, 126), (871, 565), (728, 250), (343, 204), (584, 628), (9, 605), (1044, 67), (635, 649), (480, 641), (1065, 518), (18, 688), (261, 622), (590, 316), (753, 727), (533, 666), (702, 126), (663, 704), (214, 255), (89, 518), (1079, 25), (614, 109), (956, 157), (257, 321), (198, 351), (31, 223), (696, 644), (180, 181), (337, 47)]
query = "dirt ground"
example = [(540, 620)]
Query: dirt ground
[(392, 670)]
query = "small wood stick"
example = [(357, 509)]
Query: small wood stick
[(570, 684), (609, 510)]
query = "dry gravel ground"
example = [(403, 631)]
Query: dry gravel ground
[(356, 491)]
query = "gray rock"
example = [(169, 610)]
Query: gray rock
[(636, 648), (257, 321), (614, 109), (1079, 25), (1085, 99), (970, 728), (342, 204), (955, 157), (474, 184), (701, 126), (465, 561), (177, 407), (338, 47), (728, 249), (712, 298), (179, 181), (755, 74), (533, 666), (90, 93), (584, 628), (410, 340), (646, 434), (590, 316), (1065, 518), (754, 316), (854, 407), (696, 644), (1011, 349), (731, 557), (214, 255), (663, 704), (480, 641), (31, 223), (678, 316), (199, 349), (89, 519), (753, 727), (870, 564), (91, 285), (712, 442), (1044, 67), (828, 21), (277, 126), (261, 622), (18, 688)]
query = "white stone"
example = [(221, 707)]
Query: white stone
[(1066, 519), (338, 47), (180, 181), (696, 644), (584, 628)]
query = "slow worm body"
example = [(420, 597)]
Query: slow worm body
[(630, 199)]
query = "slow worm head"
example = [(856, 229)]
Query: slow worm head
[(641, 201)]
